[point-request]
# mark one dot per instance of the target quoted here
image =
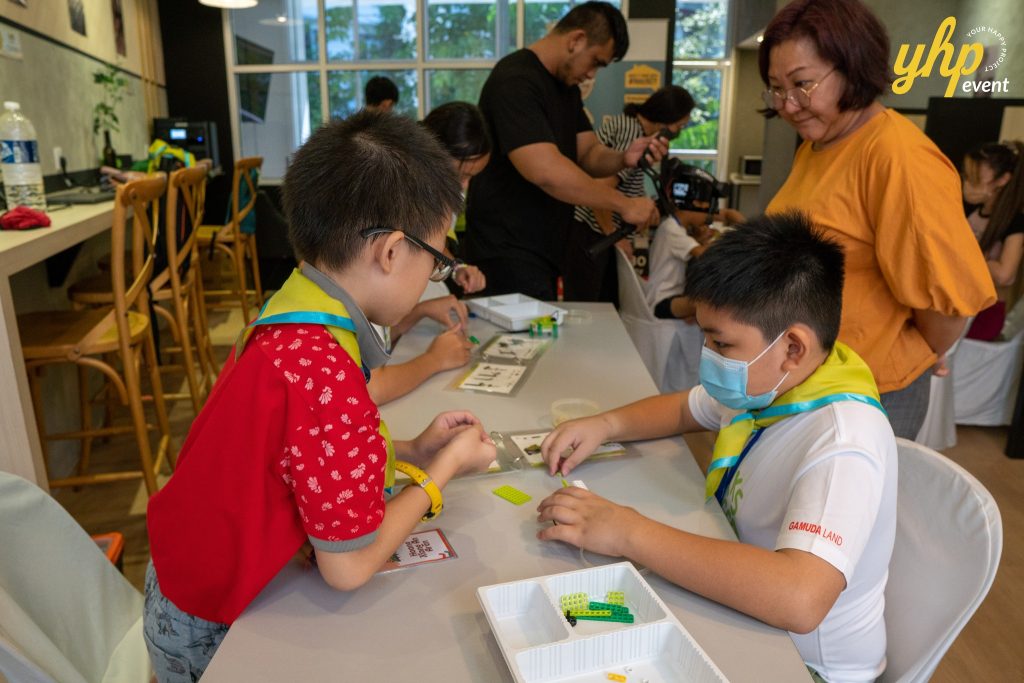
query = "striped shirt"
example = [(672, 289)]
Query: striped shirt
[(617, 132)]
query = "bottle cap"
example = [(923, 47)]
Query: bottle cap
[(11, 106)]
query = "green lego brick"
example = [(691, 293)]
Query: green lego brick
[(620, 618), (615, 609), (512, 495)]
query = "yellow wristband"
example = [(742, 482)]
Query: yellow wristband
[(423, 480)]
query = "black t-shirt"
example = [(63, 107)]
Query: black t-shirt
[(508, 217)]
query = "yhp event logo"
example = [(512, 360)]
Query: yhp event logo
[(953, 64)]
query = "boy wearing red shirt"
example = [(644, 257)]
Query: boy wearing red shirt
[(290, 447)]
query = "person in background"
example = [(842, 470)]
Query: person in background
[(462, 131), (678, 238), (546, 156), (874, 182), (594, 278), (994, 203), (309, 458), (804, 465), (380, 94)]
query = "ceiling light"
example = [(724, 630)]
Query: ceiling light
[(229, 4), (760, 38), (281, 20)]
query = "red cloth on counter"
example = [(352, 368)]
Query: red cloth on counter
[(23, 218)]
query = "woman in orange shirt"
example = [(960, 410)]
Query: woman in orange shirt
[(876, 184)]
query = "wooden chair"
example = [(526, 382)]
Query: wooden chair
[(88, 337), (238, 245), (177, 290)]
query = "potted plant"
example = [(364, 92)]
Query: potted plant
[(104, 116)]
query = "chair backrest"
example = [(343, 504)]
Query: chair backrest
[(186, 199), (243, 191), (66, 613), (632, 297), (949, 537)]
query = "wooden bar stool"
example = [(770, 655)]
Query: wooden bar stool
[(123, 330), (177, 290), (232, 239)]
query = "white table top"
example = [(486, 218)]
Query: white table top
[(20, 249), (424, 623)]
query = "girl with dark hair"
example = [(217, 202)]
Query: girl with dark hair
[(587, 278), (994, 203), (462, 131), (874, 182)]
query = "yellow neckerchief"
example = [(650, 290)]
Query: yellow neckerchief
[(300, 300), (844, 376)]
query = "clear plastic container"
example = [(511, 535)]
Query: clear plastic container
[(19, 160), (565, 409)]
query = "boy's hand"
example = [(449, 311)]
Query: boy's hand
[(450, 349), (470, 278), (653, 146), (441, 430), (587, 520), (440, 309), (582, 436), (469, 450)]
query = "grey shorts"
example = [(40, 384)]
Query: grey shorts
[(180, 645)]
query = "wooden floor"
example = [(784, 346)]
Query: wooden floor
[(988, 649)]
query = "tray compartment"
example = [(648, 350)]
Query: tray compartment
[(596, 582), (658, 653), (523, 616)]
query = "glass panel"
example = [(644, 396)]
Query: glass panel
[(276, 32), (387, 29), (339, 16), (455, 84), (700, 29), (277, 113), (468, 29), (706, 87), (541, 16), (345, 89)]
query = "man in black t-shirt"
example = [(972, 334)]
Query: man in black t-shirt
[(546, 156)]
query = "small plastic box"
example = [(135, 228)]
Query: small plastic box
[(540, 646), (514, 311)]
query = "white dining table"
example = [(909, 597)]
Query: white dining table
[(425, 623), (20, 450)]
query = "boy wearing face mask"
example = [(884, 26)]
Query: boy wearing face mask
[(804, 464)]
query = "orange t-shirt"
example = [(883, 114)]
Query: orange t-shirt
[(893, 201)]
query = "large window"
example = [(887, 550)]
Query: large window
[(699, 65), (297, 63)]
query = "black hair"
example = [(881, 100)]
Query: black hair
[(601, 21), (370, 170), (665, 106), (771, 272), (378, 89), (1002, 158), (461, 129)]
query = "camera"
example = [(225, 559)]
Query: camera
[(691, 188)]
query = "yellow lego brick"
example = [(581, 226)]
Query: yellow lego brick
[(615, 598), (616, 677), (573, 601)]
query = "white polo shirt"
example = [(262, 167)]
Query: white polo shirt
[(823, 482)]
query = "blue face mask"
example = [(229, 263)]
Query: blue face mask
[(725, 380)]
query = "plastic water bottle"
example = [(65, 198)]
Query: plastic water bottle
[(19, 160)]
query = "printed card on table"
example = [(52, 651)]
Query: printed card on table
[(529, 444), (513, 348), (492, 378), (422, 547)]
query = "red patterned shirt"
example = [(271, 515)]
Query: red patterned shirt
[(286, 448)]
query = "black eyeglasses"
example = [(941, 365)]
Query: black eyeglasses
[(443, 265)]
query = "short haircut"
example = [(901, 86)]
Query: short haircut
[(380, 88), (370, 170), (601, 22), (846, 34), (667, 105), (772, 272), (461, 129)]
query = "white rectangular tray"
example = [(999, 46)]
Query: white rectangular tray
[(514, 311), (540, 647)]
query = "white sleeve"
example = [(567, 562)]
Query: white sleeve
[(833, 506), (680, 244), (705, 410)]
